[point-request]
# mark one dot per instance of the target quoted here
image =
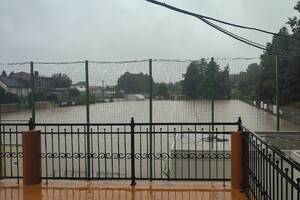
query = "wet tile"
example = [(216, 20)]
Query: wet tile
[(117, 190)]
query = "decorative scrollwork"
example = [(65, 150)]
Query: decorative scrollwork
[(183, 155), (143, 156), (11, 154)]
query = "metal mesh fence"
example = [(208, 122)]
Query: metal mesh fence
[(15, 95), (55, 96), (156, 90), (122, 90)]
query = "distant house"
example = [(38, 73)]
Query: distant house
[(109, 94), (15, 86), (41, 82), (81, 86), (96, 91), (57, 94)]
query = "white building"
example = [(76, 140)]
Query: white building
[(81, 86), (135, 97)]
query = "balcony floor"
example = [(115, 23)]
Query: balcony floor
[(116, 190)]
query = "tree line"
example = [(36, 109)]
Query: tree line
[(206, 80), (131, 83), (201, 80), (259, 81)]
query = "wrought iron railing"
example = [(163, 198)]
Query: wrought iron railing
[(171, 151), (179, 151), (272, 174)]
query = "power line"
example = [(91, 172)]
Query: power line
[(220, 21), (241, 39)]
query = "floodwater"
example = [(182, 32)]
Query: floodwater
[(163, 111), (111, 147)]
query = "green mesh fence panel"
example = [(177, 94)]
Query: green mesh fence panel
[(182, 91)]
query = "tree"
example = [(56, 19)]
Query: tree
[(288, 63), (162, 90), (206, 80), (191, 81), (223, 84), (4, 73), (134, 83), (175, 88), (267, 84), (11, 74), (248, 82), (73, 92), (61, 80)]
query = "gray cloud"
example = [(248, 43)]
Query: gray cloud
[(133, 29)]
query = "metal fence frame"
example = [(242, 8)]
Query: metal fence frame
[(135, 132), (151, 65), (271, 173)]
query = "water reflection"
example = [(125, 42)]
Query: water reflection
[(115, 191)]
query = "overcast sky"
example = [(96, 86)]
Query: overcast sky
[(72, 30)]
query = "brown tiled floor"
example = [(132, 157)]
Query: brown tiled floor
[(116, 190)]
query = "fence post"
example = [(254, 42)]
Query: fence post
[(31, 124), (31, 141), (239, 124), (133, 183), (245, 154), (87, 117), (150, 115), (239, 159), (277, 97), (32, 91)]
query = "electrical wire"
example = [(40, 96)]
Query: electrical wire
[(128, 61), (220, 21), (241, 39), (244, 40)]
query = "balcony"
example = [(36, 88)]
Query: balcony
[(143, 161)]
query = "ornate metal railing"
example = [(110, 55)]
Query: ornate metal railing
[(167, 151), (272, 174)]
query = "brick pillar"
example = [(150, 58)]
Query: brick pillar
[(33, 192), (31, 141), (238, 162)]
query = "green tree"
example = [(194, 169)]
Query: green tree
[(175, 88), (73, 92), (206, 80), (11, 74), (134, 83), (248, 82), (288, 63), (223, 84), (191, 81), (162, 90), (61, 80), (3, 73)]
